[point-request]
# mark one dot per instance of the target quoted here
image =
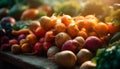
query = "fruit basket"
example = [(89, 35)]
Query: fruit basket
[(67, 34)]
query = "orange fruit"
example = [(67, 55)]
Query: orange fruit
[(72, 30), (82, 34), (48, 23), (89, 24), (112, 28), (101, 29), (31, 39), (25, 48), (91, 17), (47, 9), (77, 18), (80, 24), (34, 25), (40, 32), (29, 14), (59, 27), (92, 33), (66, 19)]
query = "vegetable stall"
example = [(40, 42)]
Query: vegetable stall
[(55, 34)]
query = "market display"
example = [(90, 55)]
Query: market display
[(86, 34)]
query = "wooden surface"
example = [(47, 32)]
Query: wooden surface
[(30, 62), (27, 62)]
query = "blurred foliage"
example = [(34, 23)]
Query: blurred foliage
[(96, 8), (10, 3), (70, 7), (114, 17), (108, 58)]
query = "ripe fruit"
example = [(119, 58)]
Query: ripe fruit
[(34, 25), (78, 18), (112, 29), (49, 36), (13, 41), (84, 55), (93, 43), (10, 20), (22, 41), (80, 24), (20, 37), (40, 32), (82, 34), (59, 27), (71, 45), (29, 14), (66, 19), (42, 39), (25, 48), (89, 24), (15, 49), (88, 65), (4, 39), (91, 17), (5, 47), (80, 39), (65, 58), (38, 48), (61, 38), (46, 46), (72, 30), (48, 23), (101, 29), (52, 51), (31, 39), (47, 9)]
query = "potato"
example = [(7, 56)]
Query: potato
[(88, 65), (65, 58), (15, 49), (61, 38), (52, 51), (83, 55)]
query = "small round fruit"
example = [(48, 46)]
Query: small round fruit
[(83, 55), (29, 14), (52, 51), (80, 24), (72, 30), (26, 48), (40, 32), (59, 27), (22, 41), (15, 49), (48, 23), (112, 29), (72, 45), (101, 29), (31, 39), (13, 41), (61, 38), (65, 58), (66, 19), (88, 65), (93, 43), (20, 37), (80, 39)]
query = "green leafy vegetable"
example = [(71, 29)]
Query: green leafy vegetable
[(109, 57), (21, 25)]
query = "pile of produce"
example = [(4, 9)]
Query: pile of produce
[(88, 40)]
